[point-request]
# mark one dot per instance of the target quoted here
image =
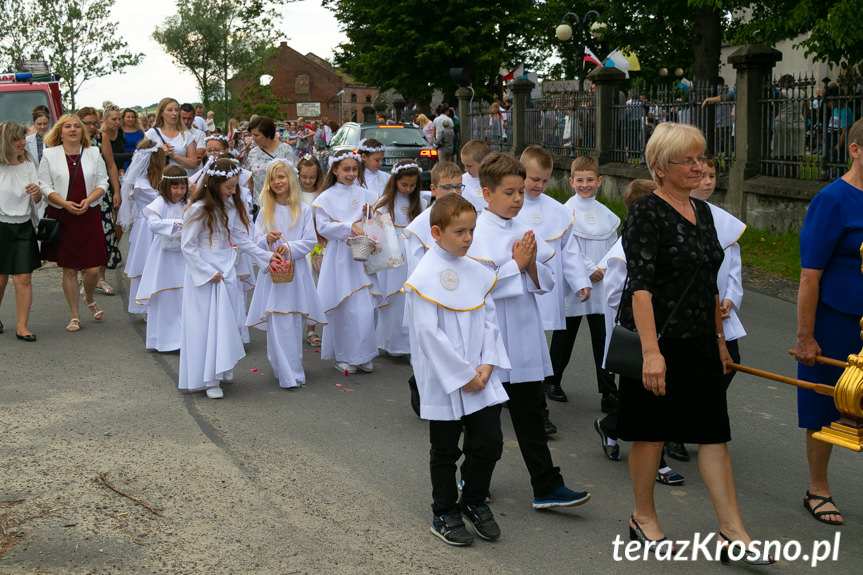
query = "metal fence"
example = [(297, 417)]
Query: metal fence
[(805, 123), (709, 109), (564, 124), (492, 125)]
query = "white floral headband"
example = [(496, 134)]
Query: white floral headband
[(285, 162), (368, 149), (229, 174), (336, 159), (219, 138), (175, 177), (399, 168)]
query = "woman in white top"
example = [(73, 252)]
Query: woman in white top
[(19, 196), (170, 132)]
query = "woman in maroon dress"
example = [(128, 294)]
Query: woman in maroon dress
[(73, 179)]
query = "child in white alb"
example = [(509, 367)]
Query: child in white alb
[(472, 154), (347, 292), (311, 177), (138, 190), (510, 249), (457, 345), (372, 153), (281, 309), (211, 344), (161, 287), (594, 227)]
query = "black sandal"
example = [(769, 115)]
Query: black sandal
[(819, 515)]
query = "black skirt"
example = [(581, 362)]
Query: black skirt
[(19, 252), (693, 409)]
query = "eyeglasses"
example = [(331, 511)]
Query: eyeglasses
[(92, 124), (689, 162), (112, 108), (452, 188)]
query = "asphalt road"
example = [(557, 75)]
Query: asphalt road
[(333, 478)]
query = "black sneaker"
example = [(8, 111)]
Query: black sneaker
[(451, 529), (482, 520), (547, 425)]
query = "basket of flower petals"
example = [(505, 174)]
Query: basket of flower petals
[(282, 271)]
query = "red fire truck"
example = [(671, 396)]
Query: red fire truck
[(20, 92)]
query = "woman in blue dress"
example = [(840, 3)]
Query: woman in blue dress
[(132, 133), (829, 306)]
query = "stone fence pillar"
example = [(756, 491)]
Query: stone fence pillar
[(753, 64), (607, 81), (463, 94), (521, 88)]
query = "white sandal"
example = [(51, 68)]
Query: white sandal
[(74, 325), (96, 311)]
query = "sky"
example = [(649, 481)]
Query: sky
[(307, 27)]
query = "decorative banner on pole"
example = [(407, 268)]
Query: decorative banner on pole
[(589, 56)]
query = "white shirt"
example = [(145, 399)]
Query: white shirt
[(15, 203)]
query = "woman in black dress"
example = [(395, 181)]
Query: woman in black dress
[(670, 244)]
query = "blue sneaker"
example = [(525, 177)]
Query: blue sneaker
[(561, 497)]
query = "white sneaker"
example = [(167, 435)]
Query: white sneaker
[(215, 392), (367, 367), (228, 376), (345, 367)]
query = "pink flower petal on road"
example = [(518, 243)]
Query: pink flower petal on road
[(254, 371)]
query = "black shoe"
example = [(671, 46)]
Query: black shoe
[(611, 451), (415, 395), (28, 337), (609, 402), (451, 529), (555, 393), (676, 451), (548, 426), (482, 520)]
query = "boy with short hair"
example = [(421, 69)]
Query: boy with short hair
[(509, 248), (455, 345), (472, 155), (445, 179), (551, 221), (595, 229)]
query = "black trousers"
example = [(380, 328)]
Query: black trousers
[(562, 341), (483, 445), (526, 405)]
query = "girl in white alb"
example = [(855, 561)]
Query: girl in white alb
[(311, 177), (138, 191), (161, 287), (401, 199), (281, 309), (215, 222), (372, 153), (347, 292)]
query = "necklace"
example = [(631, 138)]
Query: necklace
[(74, 158)]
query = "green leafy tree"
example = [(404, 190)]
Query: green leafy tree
[(217, 39), (77, 38), (411, 45)]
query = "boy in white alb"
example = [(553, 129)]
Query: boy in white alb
[(594, 227), (510, 249), (472, 155), (455, 344), (445, 179)]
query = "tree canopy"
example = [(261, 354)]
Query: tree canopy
[(77, 38)]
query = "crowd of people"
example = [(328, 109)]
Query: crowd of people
[(486, 263)]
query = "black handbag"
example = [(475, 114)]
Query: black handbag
[(48, 229), (624, 356)]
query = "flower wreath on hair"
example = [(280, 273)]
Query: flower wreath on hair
[(285, 162), (397, 169), (218, 137), (362, 148), (306, 156), (175, 178), (229, 174), (349, 156)]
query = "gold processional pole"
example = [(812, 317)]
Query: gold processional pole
[(847, 395)]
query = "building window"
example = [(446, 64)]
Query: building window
[(301, 85), (368, 99), (353, 98)]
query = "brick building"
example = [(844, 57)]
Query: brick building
[(308, 86)]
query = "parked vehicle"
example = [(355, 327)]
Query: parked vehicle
[(402, 141), (20, 92)]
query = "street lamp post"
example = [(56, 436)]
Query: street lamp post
[(341, 113), (582, 24)]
